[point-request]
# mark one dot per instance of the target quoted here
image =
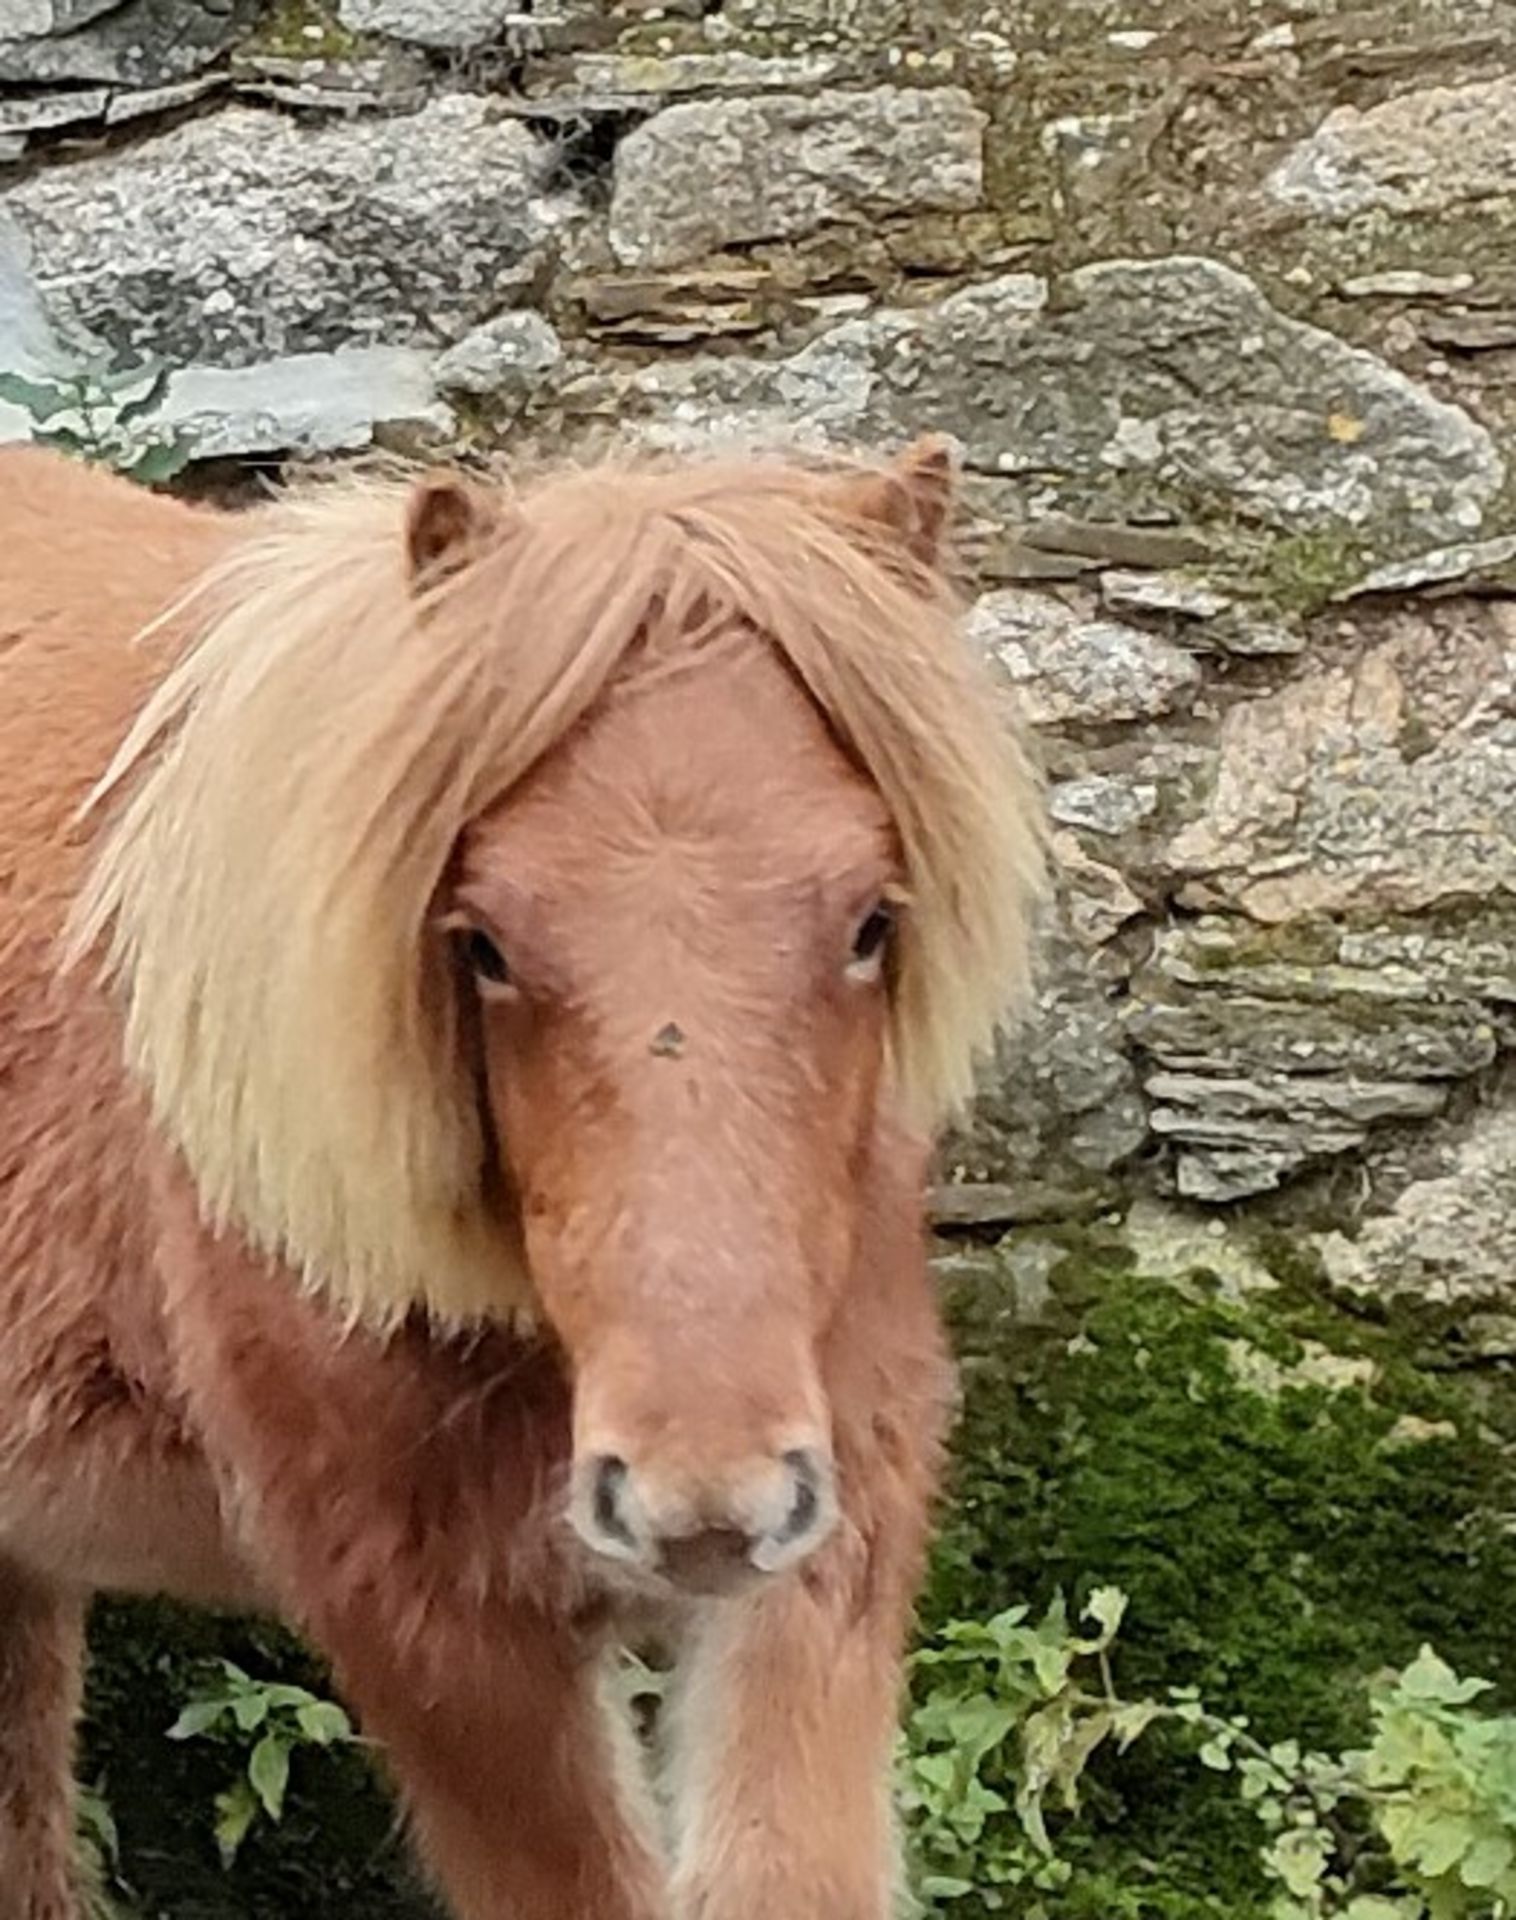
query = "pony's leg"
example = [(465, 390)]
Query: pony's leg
[(783, 1734), (783, 1727), (513, 1778), (41, 1648)]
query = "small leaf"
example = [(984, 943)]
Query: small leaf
[(324, 1722), (269, 1772), (40, 399), (1131, 1720), (1430, 1678), (151, 383), (1215, 1755), (197, 1718), (1441, 1842), (250, 1710), (1487, 1860), (1106, 1606), (236, 1810), (65, 440), (1300, 1859), (159, 463), (1051, 1666)]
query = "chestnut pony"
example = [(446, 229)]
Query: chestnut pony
[(477, 975)]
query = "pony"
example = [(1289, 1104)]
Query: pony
[(480, 971)]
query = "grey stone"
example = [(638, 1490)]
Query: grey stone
[(1178, 373), (1239, 1136), (1491, 332), (434, 23), (1251, 637), (42, 113), (145, 43), (308, 403), (28, 345), (1162, 593), (1175, 1243), (1232, 1034), (710, 174), (246, 235), (1379, 786), (1066, 668), (1116, 544), (996, 1203), (1152, 381), (1417, 153), (1098, 903), (1101, 804), (141, 103), (1406, 283), (1205, 1105), (1219, 622), (1447, 1238), (1255, 1147), (1470, 560), (1229, 1174), (397, 81), (633, 78), (1458, 964), (29, 19), (1060, 1101), (507, 357)]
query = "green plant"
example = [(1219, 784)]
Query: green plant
[(105, 416), (268, 1721), (978, 1824), (104, 1895), (1007, 1715)]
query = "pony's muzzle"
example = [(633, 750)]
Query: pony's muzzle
[(713, 1537)]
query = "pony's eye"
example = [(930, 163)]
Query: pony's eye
[(871, 939), (485, 960)]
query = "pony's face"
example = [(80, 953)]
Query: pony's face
[(678, 933)]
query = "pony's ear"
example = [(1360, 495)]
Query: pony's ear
[(911, 502), (450, 521)]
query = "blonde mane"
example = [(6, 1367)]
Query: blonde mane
[(296, 786)]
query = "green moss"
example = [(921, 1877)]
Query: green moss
[(1298, 574), (304, 30), (1277, 1550)]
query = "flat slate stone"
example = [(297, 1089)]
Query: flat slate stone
[(145, 43), (717, 173), (307, 403)]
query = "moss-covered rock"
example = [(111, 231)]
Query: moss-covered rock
[(1289, 1500)]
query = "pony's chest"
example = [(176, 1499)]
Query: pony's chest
[(116, 1501)]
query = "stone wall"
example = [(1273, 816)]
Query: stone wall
[(1218, 298)]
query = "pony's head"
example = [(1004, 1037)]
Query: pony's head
[(565, 903)]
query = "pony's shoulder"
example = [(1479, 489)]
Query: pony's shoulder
[(80, 543)]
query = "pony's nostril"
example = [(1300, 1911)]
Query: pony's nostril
[(812, 1507), (609, 1485), (805, 1508)]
